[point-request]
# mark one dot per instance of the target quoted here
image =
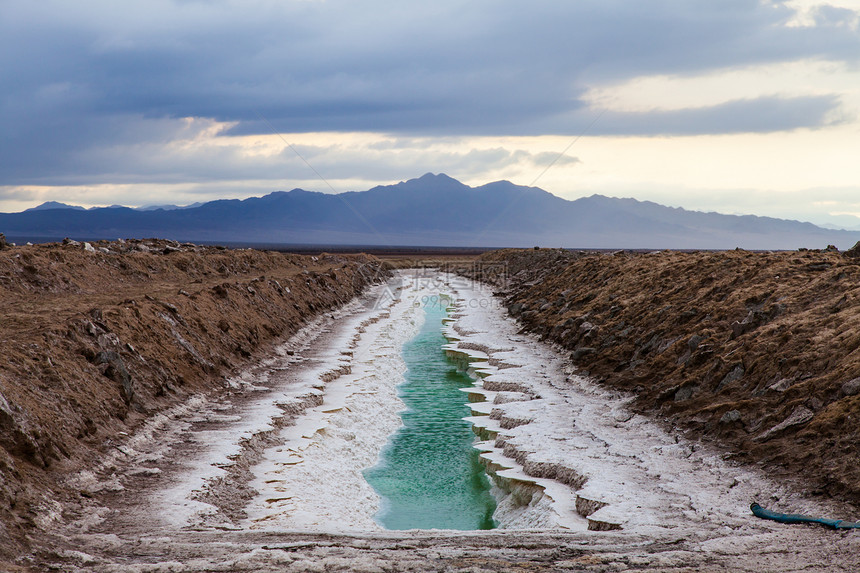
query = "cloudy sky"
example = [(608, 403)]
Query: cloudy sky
[(737, 106)]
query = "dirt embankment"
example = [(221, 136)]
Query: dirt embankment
[(759, 352), (96, 338)]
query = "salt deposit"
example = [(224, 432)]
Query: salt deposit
[(563, 453), (566, 457), (314, 480), (624, 471)]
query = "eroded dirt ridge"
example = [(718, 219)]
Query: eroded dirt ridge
[(101, 340), (755, 351)]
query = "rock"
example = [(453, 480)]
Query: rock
[(685, 393), (852, 387), (91, 328), (782, 385), (16, 436), (801, 415), (736, 373), (756, 318), (89, 248), (694, 342), (692, 346), (703, 354), (4, 405), (3, 243), (114, 368), (730, 417), (108, 341), (581, 352)]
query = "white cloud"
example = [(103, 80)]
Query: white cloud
[(792, 79), (812, 13)]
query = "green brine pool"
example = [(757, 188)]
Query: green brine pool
[(429, 475)]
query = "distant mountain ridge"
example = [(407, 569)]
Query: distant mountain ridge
[(57, 205), (433, 210), (54, 205)]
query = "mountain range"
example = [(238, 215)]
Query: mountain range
[(433, 210)]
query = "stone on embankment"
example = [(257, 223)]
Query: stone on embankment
[(851, 388), (800, 415)]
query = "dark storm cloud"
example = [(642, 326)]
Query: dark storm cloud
[(83, 77)]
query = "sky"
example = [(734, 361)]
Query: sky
[(734, 106)]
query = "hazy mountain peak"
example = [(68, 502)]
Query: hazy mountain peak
[(54, 205), (169, 207), (434, 177)]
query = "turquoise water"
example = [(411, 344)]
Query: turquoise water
[(429, 475)]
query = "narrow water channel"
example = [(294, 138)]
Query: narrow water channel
[(429, 475)]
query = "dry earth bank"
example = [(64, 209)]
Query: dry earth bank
[(97, 338), (758, 352)]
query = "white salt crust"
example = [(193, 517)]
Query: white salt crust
[(633, 474)]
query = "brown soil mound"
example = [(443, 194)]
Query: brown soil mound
[(759, 352), (95, 338)]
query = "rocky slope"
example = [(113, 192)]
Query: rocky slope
[(97, 338), (757, 352)]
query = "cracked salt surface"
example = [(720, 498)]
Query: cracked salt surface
[(625, 471), (314, 480), (179, 504), (564, 452)]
